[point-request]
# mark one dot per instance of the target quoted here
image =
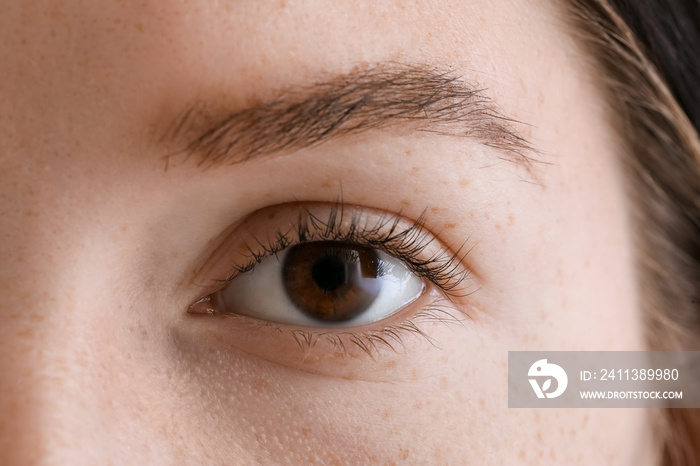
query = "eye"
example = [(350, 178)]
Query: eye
[(321, 284), (305, 283)]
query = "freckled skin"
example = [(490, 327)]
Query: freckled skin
[(102, 250)]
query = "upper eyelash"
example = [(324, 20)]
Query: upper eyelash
[(443, 269)]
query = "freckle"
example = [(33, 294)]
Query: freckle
[(450, 226), (539, 436), (37, 318), (259, 385), (482, 402), (272, 215), (408, 153), (511, 220), (305, 431), (522, 455), (26, 333), (498, 226), (405, 203), (386, 414), (390, 365), (403, 453), (464, 183), (471, 214), (438, 455), (435, 210), (552, 454), (543, 315), (415, 170), (326, 184), (487, 216)]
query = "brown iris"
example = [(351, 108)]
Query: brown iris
[(331, 281)]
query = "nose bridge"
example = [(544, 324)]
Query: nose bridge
[(45, 381), (69, 389), (50, 377), (79, 373)]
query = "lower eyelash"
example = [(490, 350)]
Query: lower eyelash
[(391, 337), (443, 269)]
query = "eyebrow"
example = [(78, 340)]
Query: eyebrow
[(414, 97)]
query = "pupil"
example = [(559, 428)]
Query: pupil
[(329, 273)]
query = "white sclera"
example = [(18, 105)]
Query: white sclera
[(261, 293)]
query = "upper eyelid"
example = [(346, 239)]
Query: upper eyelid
[(408, 240)]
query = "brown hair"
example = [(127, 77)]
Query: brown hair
[(661, 159)]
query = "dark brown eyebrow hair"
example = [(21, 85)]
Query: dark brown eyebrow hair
[(422, 98)]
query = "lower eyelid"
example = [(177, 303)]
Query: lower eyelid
[(397, 340)]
